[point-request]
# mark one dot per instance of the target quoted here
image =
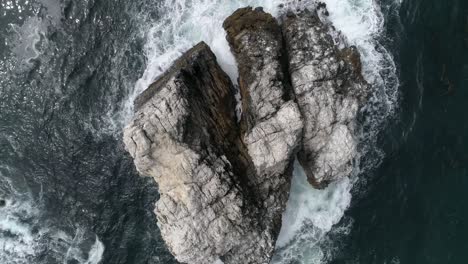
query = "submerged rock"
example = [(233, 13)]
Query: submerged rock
[(2, 203), (329, 90)]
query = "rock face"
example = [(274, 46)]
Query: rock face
[(185, 136), (271, 122), (213, 202), (329, 90), (224, 184)]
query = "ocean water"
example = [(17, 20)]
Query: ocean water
[(70, 70), (415, 206)]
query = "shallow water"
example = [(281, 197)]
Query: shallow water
[(69, 71)]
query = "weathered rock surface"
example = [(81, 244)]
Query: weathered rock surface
[(271, 122), (223, 184), (329, 90), (213, 202), (185, 135)]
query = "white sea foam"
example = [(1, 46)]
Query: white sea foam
[(96, 252), (75, 250), (183, 24), (310, 213), (320, 208), (26, 38), (24, 235)]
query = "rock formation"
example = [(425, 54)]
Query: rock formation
[(271, 124), (224, 184), (185, 136), (329, 90), (213, 202)]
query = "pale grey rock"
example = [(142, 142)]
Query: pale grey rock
[(329, 90), (185, 136), (215, 203), (271, 122), (224, 185)]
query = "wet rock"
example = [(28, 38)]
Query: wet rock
[(2, 203), (329, 90)]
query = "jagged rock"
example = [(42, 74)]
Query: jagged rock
[(329, 90), (186, 136), (224, 185), (271, 122)]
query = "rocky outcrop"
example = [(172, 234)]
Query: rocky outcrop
[(329, 90), (224, 184), (271, 122), (214, 203), (185, 136)]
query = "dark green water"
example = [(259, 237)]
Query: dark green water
[(415, 209), (73, 195), (68, 66)]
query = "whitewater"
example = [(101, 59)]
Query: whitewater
[(24, 233), (310, 214)]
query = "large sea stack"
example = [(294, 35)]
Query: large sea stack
[(224, 184)]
